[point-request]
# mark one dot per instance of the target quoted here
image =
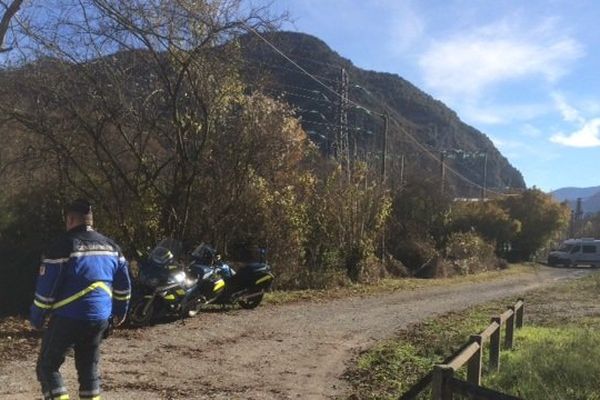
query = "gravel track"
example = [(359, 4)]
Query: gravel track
[(292, 351)]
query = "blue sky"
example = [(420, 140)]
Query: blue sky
[(526, 73)]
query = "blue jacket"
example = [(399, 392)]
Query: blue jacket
[(83, 276)]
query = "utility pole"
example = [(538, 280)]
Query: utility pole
[(386, 119), (578, 217), (572, 225), (442, 171), (401, 170), (342, 143), (484, 183)]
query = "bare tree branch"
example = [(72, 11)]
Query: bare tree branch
[(10, 12)]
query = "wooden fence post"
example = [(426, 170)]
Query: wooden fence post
[(519, 319), (510, 329), (495, 346), (474, 367), (439, 384)]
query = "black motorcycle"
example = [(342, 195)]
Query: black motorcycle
[(245, 287), (209, 286), (163, 286)]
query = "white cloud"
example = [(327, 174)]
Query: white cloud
[(467, 63), (568, 112), (407, 26), (587, 136), (587, 132)]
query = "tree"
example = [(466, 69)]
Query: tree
[(10, 10), (126, 99), (488, 219), (540, 216), (591, 226), (417, 225), (347, 218)]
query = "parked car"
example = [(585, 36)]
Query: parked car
[(573, 252)]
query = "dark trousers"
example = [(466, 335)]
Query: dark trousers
[(63, 334)]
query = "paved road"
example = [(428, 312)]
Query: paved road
[(293, 351)]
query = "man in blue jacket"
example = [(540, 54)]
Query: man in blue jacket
[(83, 282)]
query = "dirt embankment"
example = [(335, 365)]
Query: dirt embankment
[(293, 351)]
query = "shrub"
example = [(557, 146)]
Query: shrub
[(371, 270), (437, 267), (469, 253), (414, 253), (396, 268)]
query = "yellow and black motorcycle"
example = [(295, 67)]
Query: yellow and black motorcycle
[(165, 287), (245, 286)]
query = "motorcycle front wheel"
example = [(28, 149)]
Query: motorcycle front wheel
[(193, 307), (141, 315), (252, 302)]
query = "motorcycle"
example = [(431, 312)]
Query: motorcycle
[(209, 286), (163, 286), (245, 287)]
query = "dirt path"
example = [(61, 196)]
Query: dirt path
[(295, 351)]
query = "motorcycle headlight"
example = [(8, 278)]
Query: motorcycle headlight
[(179, 277)]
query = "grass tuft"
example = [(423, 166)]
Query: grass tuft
[(552, 363)]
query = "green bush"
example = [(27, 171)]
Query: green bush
[(469, 253), (414, 252), (551, 363)]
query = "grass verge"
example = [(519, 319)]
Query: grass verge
[(566, 312), (391, 285), (552, 363)]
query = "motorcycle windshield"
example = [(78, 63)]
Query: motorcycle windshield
[(203, 250), (166, 252)]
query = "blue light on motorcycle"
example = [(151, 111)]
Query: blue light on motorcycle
[(226, 271)]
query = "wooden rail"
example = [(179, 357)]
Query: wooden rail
[(442, 380), (444, 384)]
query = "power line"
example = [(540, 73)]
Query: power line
[(385, 106), (312, 60), (269, 65), (352, 128), (296, 87), (296, 95)]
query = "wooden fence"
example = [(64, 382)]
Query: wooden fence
[(443, 382)]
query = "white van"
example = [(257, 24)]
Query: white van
[(574, 252)]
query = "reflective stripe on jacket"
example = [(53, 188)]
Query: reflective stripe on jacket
[(83, 276)]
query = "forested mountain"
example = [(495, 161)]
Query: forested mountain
[(414, 115)]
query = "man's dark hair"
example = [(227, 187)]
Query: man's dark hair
[(82, 209)]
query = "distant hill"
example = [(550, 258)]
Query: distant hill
[(435, 126), (592, 203), (590, 197), (572, 193)]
